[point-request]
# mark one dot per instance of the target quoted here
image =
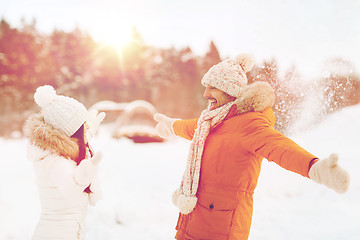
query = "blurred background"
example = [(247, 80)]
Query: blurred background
[(158, 51), (132, 58)]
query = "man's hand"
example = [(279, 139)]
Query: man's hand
[(329, 173), (164, 127)]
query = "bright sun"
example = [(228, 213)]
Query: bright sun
[(116, 38)]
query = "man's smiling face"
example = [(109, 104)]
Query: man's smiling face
[(216, 97)]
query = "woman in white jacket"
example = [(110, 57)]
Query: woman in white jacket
[(64, 164)]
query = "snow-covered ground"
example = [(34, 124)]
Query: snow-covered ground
[(138, 180)]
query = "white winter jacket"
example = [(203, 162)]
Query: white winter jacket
[(63, 201)]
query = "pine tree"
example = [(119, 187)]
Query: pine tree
[(211, 58)]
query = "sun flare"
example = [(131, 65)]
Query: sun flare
[(116, 38)]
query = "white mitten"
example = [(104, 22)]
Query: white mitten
[(93, 121), (164, 128), (329, 173), (96, 193), (86, 170)]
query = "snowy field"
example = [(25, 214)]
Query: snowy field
[(138, 180)]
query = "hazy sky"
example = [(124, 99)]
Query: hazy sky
[(304, 33)]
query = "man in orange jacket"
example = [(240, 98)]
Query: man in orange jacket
[(228, 142)]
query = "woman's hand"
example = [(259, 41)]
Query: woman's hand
[(86, 170)]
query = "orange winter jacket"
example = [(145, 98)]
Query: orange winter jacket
[(230, 168)]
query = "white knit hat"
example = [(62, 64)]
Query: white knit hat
[(63, 113), (229, 75)]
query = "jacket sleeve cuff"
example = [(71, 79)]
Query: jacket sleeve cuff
[(312, 162)]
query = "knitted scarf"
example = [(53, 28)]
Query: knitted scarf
[(185, 197)]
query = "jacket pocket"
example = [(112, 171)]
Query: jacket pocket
[(212, 217)]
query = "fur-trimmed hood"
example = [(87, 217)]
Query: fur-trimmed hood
[(256, 97), (49, 139)]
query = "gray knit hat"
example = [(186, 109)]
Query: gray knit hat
[(63, 113)]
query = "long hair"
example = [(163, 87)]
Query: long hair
[(83, 147)]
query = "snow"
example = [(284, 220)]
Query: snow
[(138, 180), (137, 123), (107, 105)]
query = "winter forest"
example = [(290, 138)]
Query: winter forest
[(78, 66), (320, 114)]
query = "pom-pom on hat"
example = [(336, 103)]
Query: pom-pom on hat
[(229, 75), (63, 113)]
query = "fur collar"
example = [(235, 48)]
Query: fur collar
[(47, 138), (256, 97)]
